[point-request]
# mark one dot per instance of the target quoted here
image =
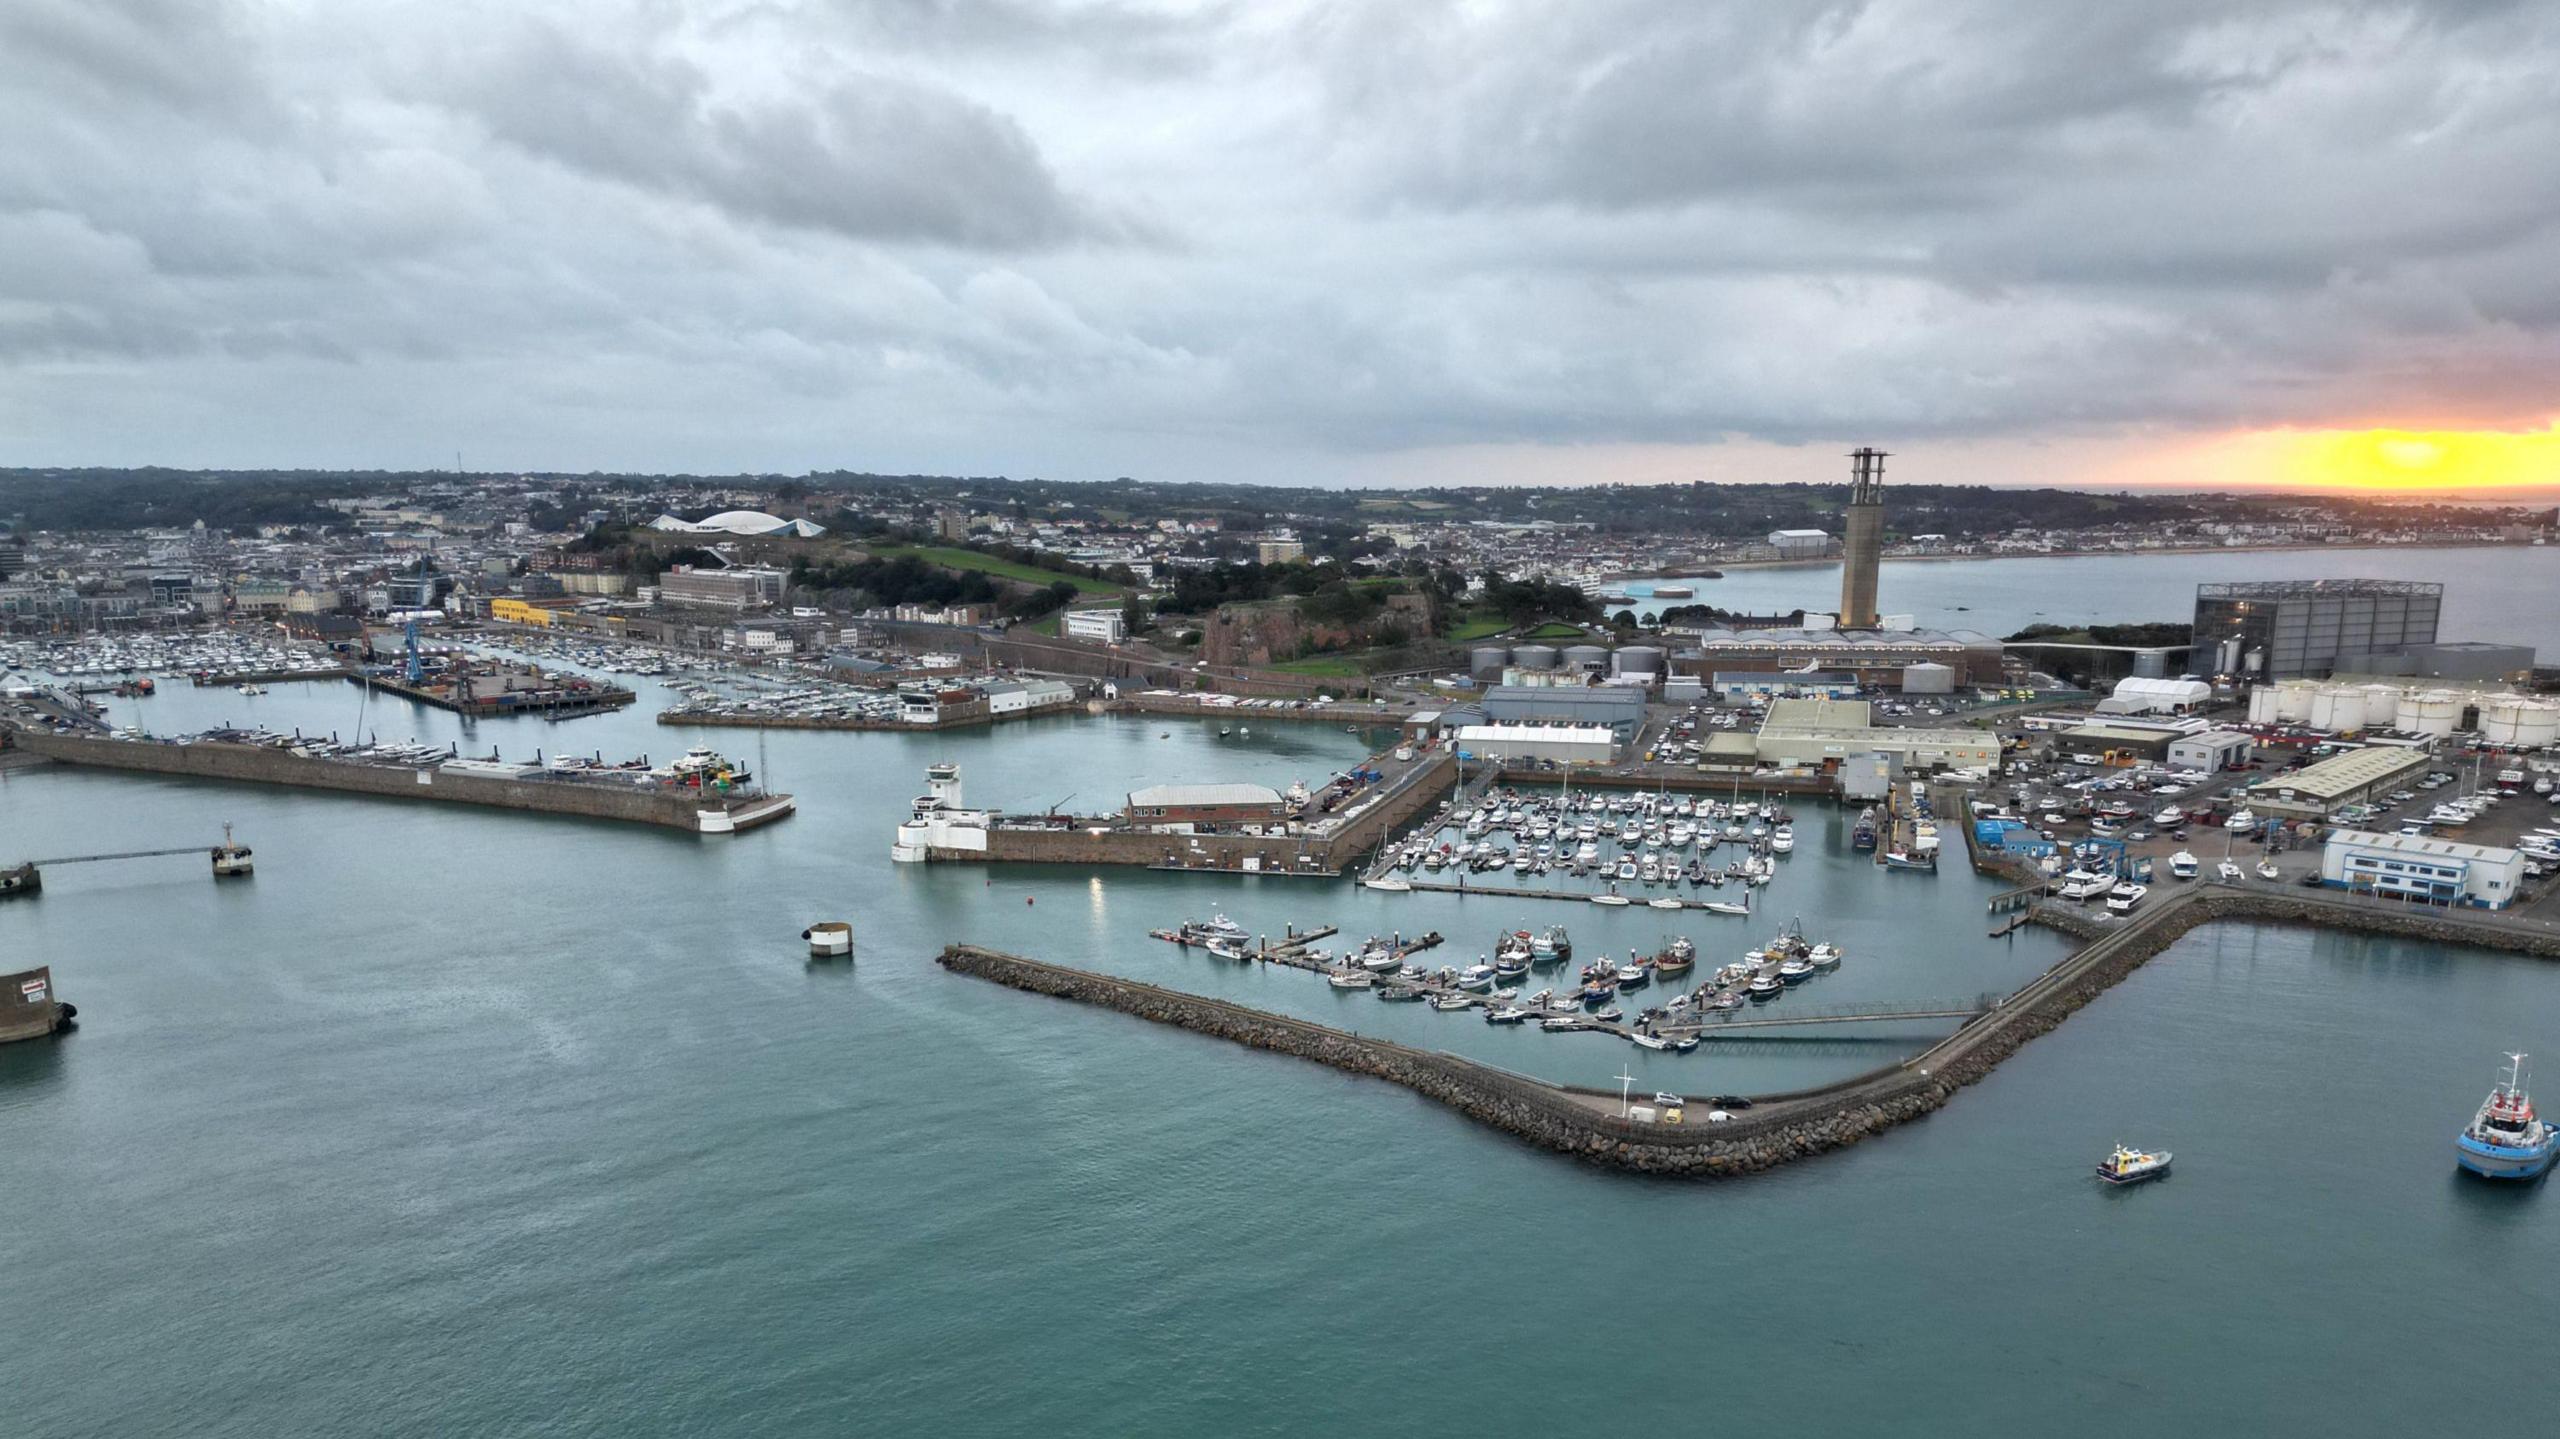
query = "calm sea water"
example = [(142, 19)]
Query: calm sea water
[(464, 1122), (2505, 594)]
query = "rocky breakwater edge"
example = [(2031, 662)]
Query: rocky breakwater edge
[(1558, 1118)]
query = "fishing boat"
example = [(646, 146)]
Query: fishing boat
[(1824, 956), (1400, 994), (1795, 971), (1350, 978), (1762, 987), (1677, 957), (1551, 946), (2132, 1166), (1908, 859), (1634, 975), (2506, 1140), (1477, 978)]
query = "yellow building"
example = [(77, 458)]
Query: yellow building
[(518, 612)]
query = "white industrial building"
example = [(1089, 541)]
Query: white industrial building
[(2215, 749), (2137, 695), (1108, 626), (750, 523), (2422, 868), (1801, 544), (1818, 732), (1928, 678), (1564, 744)]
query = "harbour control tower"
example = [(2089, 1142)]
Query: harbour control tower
[(1862, 539)]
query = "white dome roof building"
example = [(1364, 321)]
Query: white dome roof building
[(754, 524)]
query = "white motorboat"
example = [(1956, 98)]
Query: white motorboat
[(1389, 883), (1615, 901), (2124, 896), (1663, 902), (1350, 979), (2182, 865)]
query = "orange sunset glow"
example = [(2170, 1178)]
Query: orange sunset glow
[(2404, 460)]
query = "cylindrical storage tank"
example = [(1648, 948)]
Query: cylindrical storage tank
[(1584, 659), (2337, 709), (2541, 728), (1534, 657), (2382, 706), (2262, 705), (1925, 678), (2501, 719), (2293, 700), (2515, 722), (1640, 660), (1486, 661), (2431, 712)]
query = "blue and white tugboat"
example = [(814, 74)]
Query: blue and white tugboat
[(2132, 1166), (2505, 1140)]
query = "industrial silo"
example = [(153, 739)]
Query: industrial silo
[(2293, 700), (1585, 659), (1534, 657), (2541, 728), (2514, 722), (2428, 712), (1485, 662), (2337, 709), (1640, 660)]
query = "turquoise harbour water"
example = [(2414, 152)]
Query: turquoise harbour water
[(460, 1122)]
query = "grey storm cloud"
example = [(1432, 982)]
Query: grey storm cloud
[(1184, 237)]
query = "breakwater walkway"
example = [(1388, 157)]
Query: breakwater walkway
[(1777, 1128), (267, 764)]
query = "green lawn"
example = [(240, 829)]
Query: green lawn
[(1557, 630), (956, 559), (1480, 625)]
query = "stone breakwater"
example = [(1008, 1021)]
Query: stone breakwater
[(1564, 1120), (1780, 1127)]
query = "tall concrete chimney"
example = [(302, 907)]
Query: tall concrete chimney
[(1862, 539)]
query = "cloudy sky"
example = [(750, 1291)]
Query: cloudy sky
[(1336, 242)]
